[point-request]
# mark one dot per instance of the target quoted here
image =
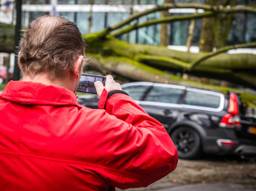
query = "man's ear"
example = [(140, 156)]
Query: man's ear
[(78, 66)]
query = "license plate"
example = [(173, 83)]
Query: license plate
[(252, 130)]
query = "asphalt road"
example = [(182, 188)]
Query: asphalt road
[(211, 187), (209, 174)]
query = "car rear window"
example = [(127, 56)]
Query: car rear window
[(203, 99), (136, 92), (164, 94)]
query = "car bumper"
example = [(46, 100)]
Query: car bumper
[(220, 141), (229, 145), (247, 150)]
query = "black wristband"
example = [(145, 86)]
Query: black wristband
[(116, 92)]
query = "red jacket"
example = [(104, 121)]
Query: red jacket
[(48, 142)]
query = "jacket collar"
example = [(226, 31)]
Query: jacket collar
[(39, 94)]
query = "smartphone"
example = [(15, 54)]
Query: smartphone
[(86, 84)]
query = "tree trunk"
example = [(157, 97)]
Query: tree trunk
[(223, 66), (206, 43), (164, 28), (190, 34), (222, 25), (90, 18)]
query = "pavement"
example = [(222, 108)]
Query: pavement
[(197, 187), (210, 174), (211, 187)]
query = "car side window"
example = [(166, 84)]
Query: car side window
[(164, 94), (201, 99), (136, 92)]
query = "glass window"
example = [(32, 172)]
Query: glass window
[(251, 24), (98, 22), (189, 1), (68, 15), (164, 94), (116, 17), (82, 21), (66, 1), (36, 2), (151, 34), (136, 92), (34, 15), (202, 99)]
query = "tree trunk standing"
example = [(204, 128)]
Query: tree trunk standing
[(106, 15), (90, 18), (164, 28), (206, 43), (215, 31), (223, 25), (190, 34)]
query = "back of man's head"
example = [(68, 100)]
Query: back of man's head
[(50, 45)]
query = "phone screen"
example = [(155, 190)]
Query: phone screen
[(86, 84)]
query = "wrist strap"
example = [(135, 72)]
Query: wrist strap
[(116, 92)]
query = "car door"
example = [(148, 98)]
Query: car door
[(162, 102)]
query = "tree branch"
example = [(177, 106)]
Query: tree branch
[(220, 9), (160, 21), (197, 62)]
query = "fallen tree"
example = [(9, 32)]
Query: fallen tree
[(109, 54), (236, 68)]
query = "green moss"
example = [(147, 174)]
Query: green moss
[(162, 61), (248, 98), (131, 69), (2, 86)]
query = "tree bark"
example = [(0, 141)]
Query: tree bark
[(164, 28), (221, 65), (206, 43), (190, 34), (90, 18)]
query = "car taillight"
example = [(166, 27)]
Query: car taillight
[(233, 106), (231, 119)]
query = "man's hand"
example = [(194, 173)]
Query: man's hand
[(110, 85)]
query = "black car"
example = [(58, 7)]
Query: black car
[(199, 121)]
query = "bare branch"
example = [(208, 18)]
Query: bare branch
[(160, 21), (219, 9), (196, 63)]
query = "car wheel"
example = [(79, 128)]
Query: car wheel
[(188, 142)]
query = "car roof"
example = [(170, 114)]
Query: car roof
[(221, 95), (172, 86)]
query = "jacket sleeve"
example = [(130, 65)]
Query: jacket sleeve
[(135, 149)]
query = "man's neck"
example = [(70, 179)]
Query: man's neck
[(44, 79)]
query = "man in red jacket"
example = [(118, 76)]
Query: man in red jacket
[(48, 142)]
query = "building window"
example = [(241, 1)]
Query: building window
[(36, 2)]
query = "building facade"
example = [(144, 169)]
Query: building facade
[(95, 15)]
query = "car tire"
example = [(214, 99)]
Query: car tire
[(188, 142)]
